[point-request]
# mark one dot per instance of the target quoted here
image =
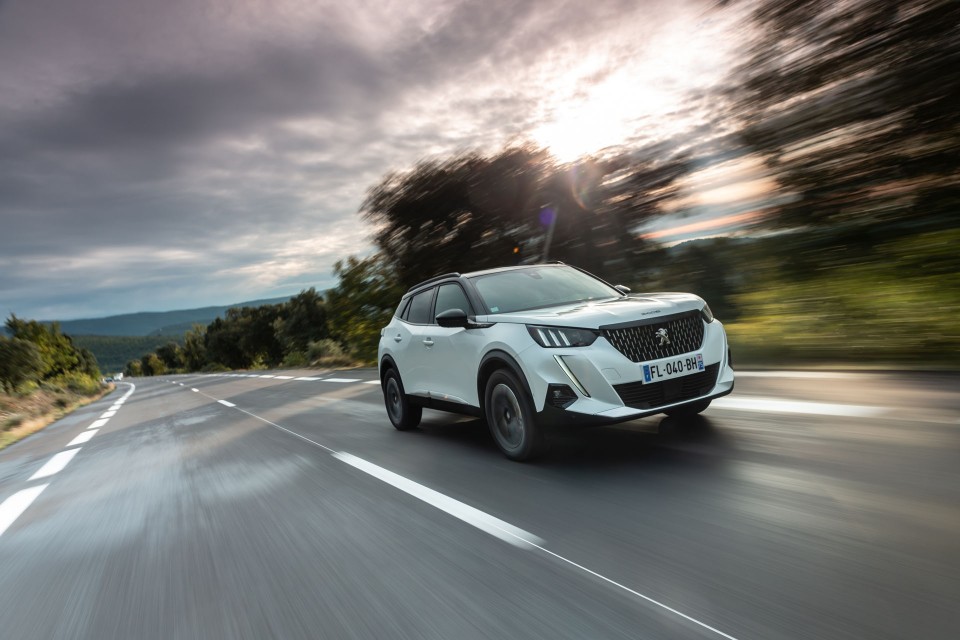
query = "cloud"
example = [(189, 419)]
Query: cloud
[(161, 154)]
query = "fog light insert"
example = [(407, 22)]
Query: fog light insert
[(560, 396)]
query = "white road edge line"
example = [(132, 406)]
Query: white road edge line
[(472, 516), (195, 390), (55, 464), (341, 379), (226, 403), (309, 379), (525, 538), (83, 436), (284, 377), (12, 507), (371, 382), (782, 405), (817, 375), (108, 414), (96, 424)]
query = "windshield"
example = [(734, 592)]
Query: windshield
[(539, 287)]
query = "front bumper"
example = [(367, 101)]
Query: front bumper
[(609, 388)]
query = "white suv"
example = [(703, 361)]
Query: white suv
[(532, 346)]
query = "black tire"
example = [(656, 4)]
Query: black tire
[(402, 413), (689, 410), (511, 418)]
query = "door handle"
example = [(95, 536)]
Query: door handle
[(428, 342), (397, 338)]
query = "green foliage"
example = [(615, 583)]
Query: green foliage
[(853, 107), (877, 311), (77, 382), (134, 368), (20, 361), (362, 304), (472, 212), (114, 352), (172, 356), (152, 365), (301, 320)]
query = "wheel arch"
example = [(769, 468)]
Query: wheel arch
[(386, 363), (493, 361)]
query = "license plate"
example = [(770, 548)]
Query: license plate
[(672, 368)]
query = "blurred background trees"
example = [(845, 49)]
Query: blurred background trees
[(850, 109)]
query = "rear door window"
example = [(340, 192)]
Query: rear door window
[(420, 307)]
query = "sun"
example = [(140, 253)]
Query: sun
[(622, 92)]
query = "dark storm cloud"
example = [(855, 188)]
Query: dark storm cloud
[(164, 154)]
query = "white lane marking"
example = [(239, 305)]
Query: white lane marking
[(472, 516), (818, 375), (12, 507), (371, 382), (781, 405), (55, 464), (703, 625), (195, 390), (84, 436), (226, 404), (309, 379), (284, 377), (115, 408), (524, 539), (264, 376), (341, 379), (96, 424), (108, 414)]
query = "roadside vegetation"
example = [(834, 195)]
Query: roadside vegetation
[(43, 376)]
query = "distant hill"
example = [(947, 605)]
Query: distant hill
[(153, 323)]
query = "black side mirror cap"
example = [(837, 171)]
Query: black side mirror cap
[(452, 318)]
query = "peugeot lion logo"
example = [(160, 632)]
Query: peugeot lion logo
[(664, 337)]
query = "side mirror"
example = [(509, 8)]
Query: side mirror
[(452, 318), (622, 289)]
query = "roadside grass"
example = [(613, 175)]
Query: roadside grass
[(905, 310), (24, 414)]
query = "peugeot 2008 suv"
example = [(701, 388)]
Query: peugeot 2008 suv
[(531, 346)]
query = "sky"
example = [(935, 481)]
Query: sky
[(170, 154)]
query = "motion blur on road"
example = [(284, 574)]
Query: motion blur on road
[(793, 162), (284, 505)]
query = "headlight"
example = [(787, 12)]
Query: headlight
[(706, 313), (553, 337)]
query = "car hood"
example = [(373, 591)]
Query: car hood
[(592, 315)]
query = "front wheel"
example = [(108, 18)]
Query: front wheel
[(403, 414), (511, 418)]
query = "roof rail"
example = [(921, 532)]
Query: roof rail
[(452, 274)]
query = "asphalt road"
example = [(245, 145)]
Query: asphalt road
[(818, 505)]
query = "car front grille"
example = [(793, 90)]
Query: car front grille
[(641, 343), (637, 395)]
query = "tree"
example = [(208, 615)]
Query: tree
[(303, 319), (20, 361), (194, 348), (477, 212), (853, 105), (152, 365), (362, 303), (57, 352), (134, 369), (172, 355)]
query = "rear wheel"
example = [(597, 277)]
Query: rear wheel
[(403, 414), (511, 417)]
